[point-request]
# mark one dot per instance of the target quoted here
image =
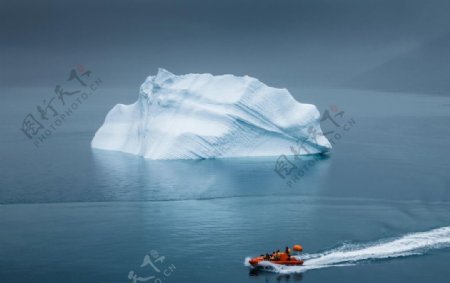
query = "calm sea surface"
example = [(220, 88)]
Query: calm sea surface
[(377, 209)]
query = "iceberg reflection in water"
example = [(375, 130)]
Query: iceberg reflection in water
[(127, 177)]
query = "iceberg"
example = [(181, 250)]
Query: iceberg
[(199, 116)]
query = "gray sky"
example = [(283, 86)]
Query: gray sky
[(283, 43)]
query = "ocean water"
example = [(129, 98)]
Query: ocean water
[(376, 209)]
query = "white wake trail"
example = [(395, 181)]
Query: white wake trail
[(349, 254)]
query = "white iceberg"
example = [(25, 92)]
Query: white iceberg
[(198, 116)]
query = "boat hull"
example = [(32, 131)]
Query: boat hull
[(292, 262)]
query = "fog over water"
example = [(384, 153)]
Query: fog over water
[(284, 43)]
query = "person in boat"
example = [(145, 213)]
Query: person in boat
[(288, 252), (267, 256), (276, 255)]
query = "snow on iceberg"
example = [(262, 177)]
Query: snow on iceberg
[(198, 116)]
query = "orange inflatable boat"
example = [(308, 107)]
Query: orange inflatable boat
[(283, 260), (280, 258)]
